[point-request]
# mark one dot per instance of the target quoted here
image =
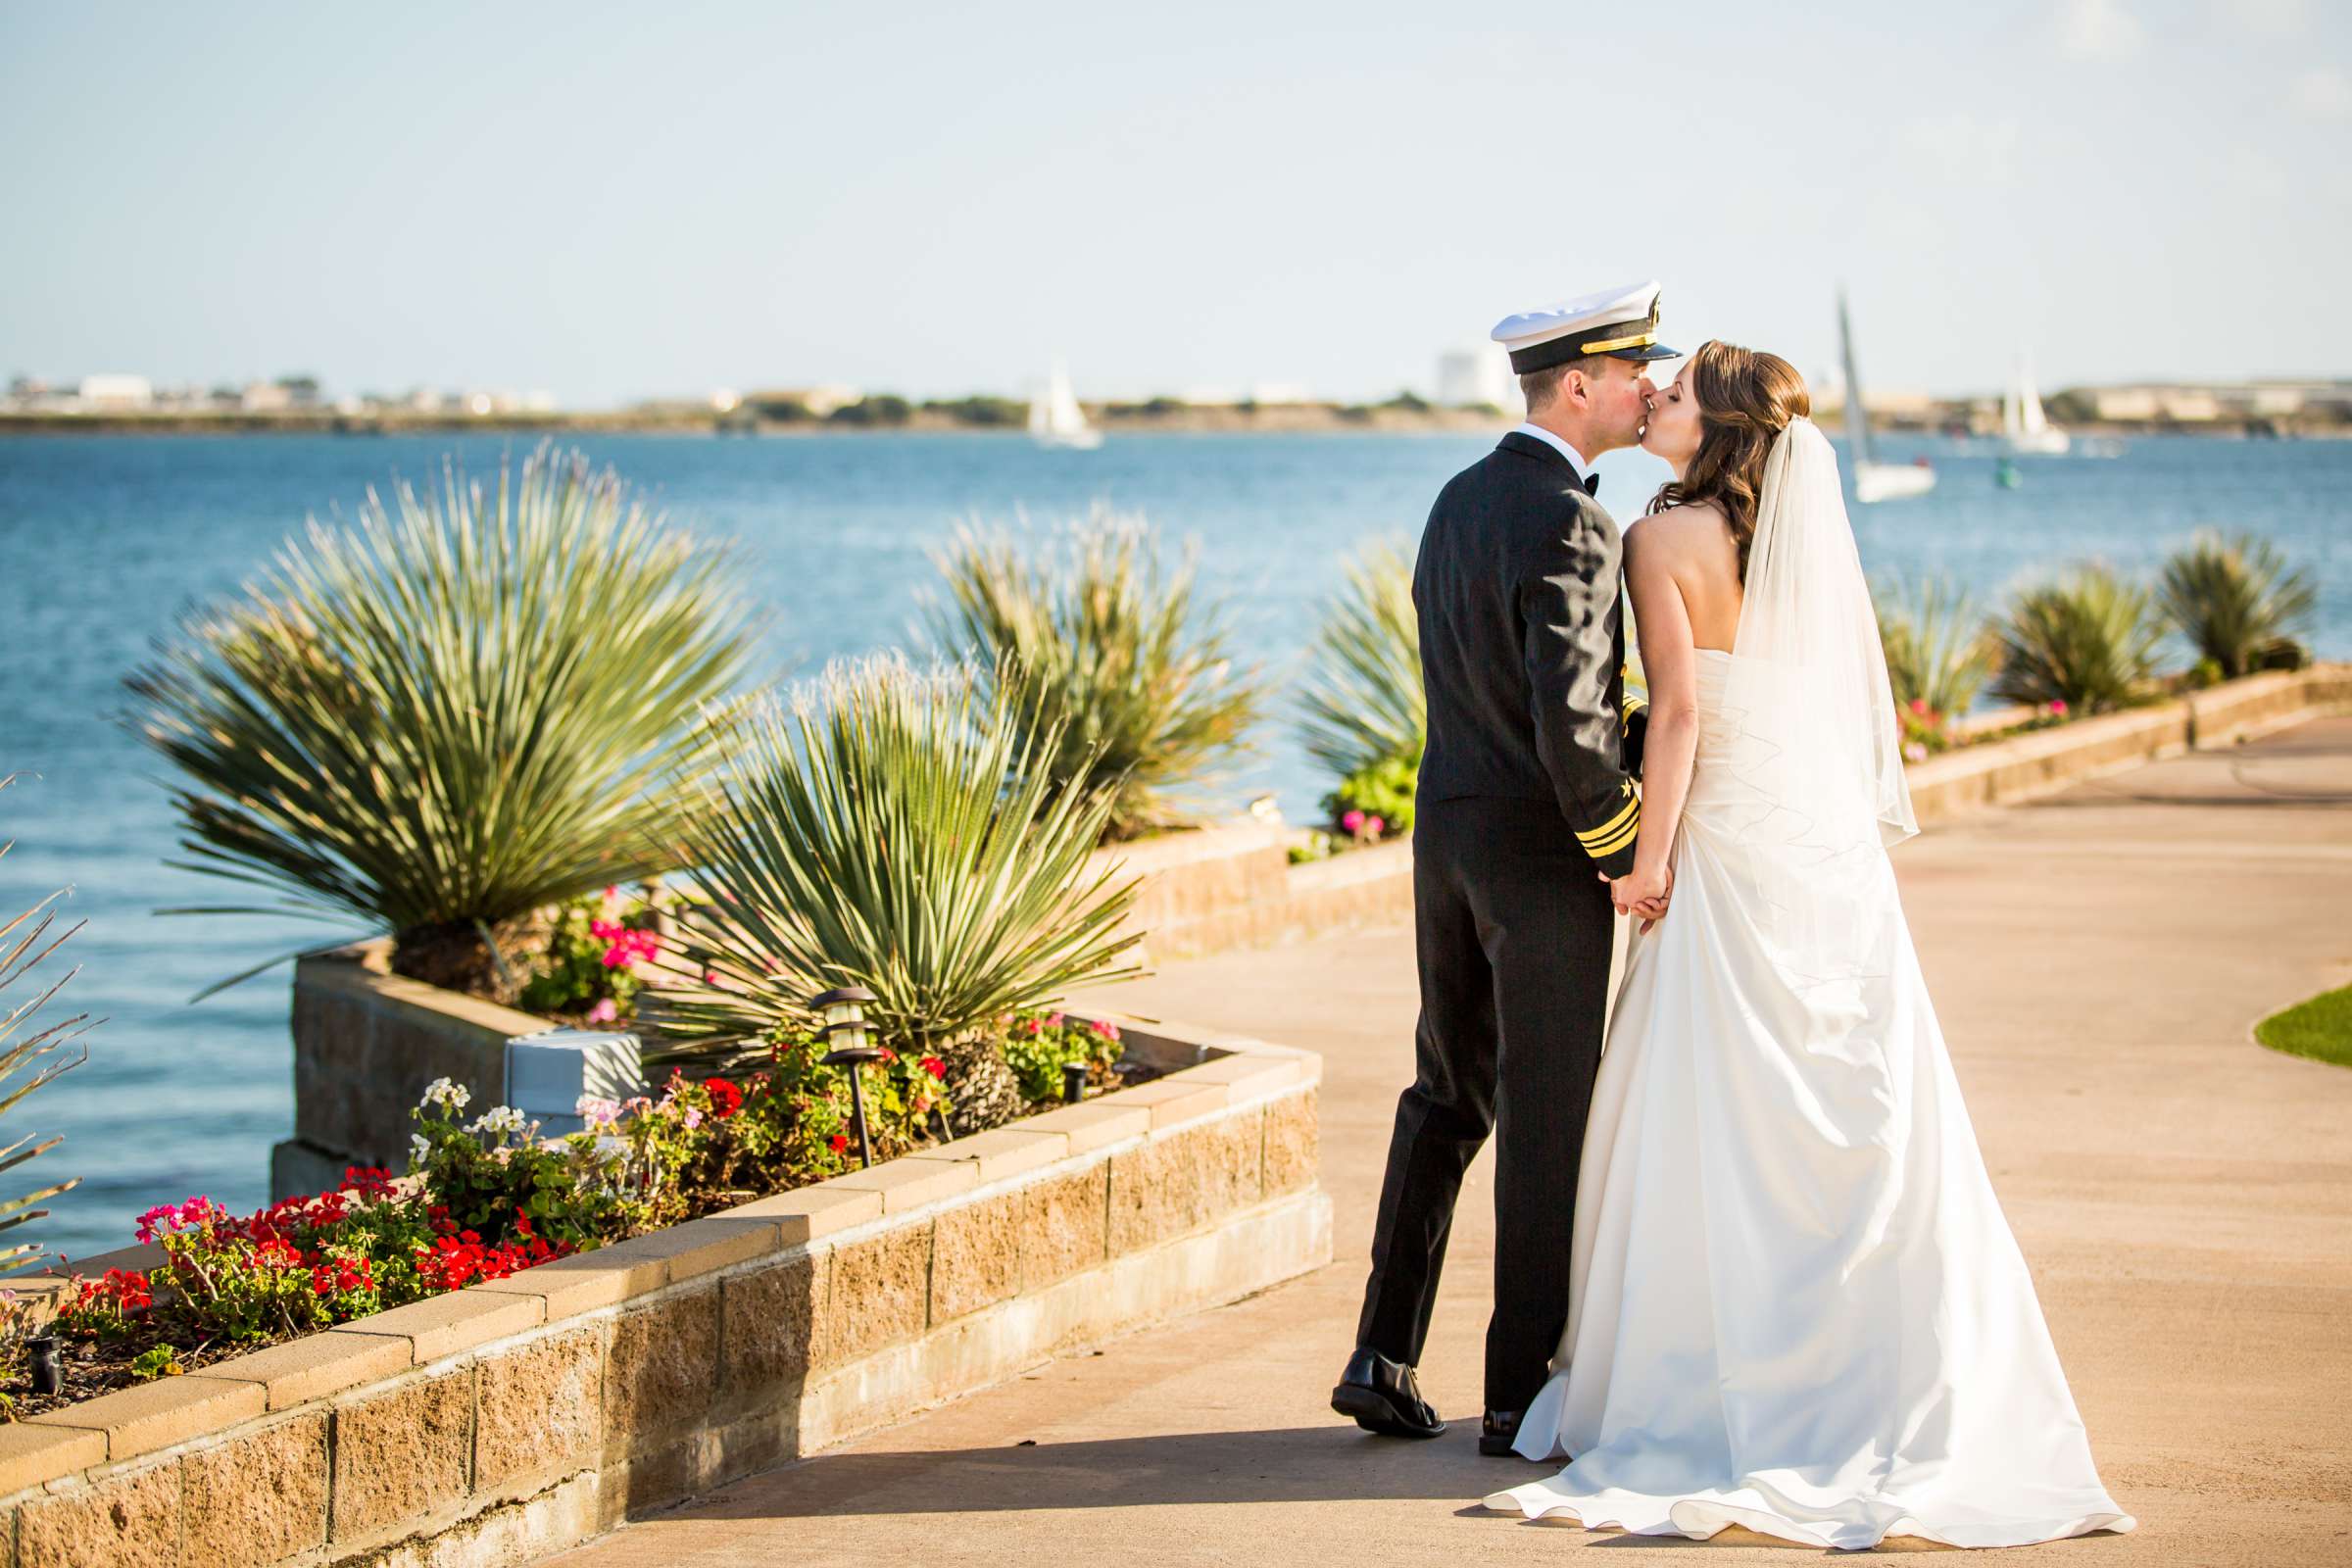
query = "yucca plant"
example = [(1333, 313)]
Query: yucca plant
[(2089, 640), (31, 1057), (1362, 704), (2237, 603), (893, 829), (1939, 650), (1092, 645), (468, 707)]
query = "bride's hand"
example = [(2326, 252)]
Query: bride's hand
[(1644, 894)]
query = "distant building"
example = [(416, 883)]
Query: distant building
[(817, 400), (116, 392), (1277, 394), (1467, 378), (265, 397)]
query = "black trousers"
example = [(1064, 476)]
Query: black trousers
[(1512, 925)]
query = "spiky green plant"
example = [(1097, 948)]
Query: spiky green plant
[(31, 1057), (2089, 640), (1939, 648), (1090, 643), (1362, 704), (2236, 602), (467, 707), (893, 829)]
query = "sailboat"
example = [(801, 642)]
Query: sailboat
[(2025, 428), (1873, 481), (1057, 420)]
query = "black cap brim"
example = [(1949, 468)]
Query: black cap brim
[(1652, 351)]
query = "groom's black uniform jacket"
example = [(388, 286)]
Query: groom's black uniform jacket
[(1523, 649)]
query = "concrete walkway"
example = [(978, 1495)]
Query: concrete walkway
[(2183, 1195)]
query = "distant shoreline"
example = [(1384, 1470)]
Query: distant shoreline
[(1266, 419)]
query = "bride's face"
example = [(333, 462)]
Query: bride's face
[(1672, 430)]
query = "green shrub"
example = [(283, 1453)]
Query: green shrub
[(882, 409), (1038, 1048), (1939, 653), (29, 1057), (2088, 641), (2236, 604), (466, 708), (896, 831), (1116, 674), (1361, 702), (1381, 793)]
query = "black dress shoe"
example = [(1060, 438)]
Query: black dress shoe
[(1497, 1432), (1385, 1398)]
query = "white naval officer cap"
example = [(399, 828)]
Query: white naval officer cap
[(1621, 322)]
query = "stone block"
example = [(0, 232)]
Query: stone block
[(1172, 1185), (1250, 1075), (767, 1323), (1095, 1123), (318, 1366), (32, 1454), (446, 1325), (156, 1415), (1293, 1143), (1003, 1152), (906, 1184), (976, 1256), (877, 1292), (256, 1498), (125, 1521), (587, 1281), (813, 1212), (538, 1408), (704, 1245), (662, 1369), (402, 1452), (1178, 1097), (1063, 1226)]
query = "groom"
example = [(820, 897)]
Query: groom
[(1526, 786)]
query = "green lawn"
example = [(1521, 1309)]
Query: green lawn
[(2321, 1028)]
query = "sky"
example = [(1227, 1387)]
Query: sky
[(614, 202)]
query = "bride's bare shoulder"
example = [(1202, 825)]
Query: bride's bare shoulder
[(1675, 530)]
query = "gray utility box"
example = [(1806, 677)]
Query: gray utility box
[(549, 1073)]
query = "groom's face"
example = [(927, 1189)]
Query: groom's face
[(1618, 395)]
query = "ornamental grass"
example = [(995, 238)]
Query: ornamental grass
[(471, 706), (1114, 669), (29, 1057), (2088, 640), (2236, 604), (903, 831), (1940, 651), (1361, 704)]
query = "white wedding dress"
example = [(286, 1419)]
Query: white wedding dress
[(1794, 1302)]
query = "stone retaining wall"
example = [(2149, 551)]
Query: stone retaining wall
[(500, 1423)]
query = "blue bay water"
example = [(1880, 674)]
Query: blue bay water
[(103, 541)]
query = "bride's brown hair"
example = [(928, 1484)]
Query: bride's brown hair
[(1746, 398)]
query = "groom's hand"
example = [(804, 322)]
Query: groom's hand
[(1644, 895)]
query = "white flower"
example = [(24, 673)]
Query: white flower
[(441, 1092), (498, 1122), (420, 1147)]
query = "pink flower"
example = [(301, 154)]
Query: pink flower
[(606, 1011), (1915, 750), (1919, 705), (2058, 708), (1107, 1029), (1353, 822), (694, 1117), (1054, 1022), (1374, 827), (599, 1112)]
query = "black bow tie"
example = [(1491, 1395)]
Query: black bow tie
[(1591, 484)]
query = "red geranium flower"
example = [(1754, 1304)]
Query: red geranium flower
[(726, 1099), (934, 1067)]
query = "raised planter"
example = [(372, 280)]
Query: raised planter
[(2000, 773), (516, 1418)]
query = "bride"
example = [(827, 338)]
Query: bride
[(1796, 1305)]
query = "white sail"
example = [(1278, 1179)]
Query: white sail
[(1057, 420), (2024, 427), (1873, 481)]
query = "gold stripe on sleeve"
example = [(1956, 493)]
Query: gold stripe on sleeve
[(1617, 841), (1630, 812)]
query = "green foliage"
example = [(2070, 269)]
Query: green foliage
[(1407, 402), (1939, 650), (496, 1179), (587, 965), (1376, 801), (466, 708), (882, 409), (29, 1057), (156, 1361), (891, 830), (1116, 674), (2321, 1028), (1361, 701), (2088, 641), (1038, 1047), (982, 411), (779, 410), (2237, 603)]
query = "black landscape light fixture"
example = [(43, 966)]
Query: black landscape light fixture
[(48, 1372), (1073, 1082), (844, 1012)]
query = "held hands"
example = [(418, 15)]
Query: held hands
[(1644, 894)]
